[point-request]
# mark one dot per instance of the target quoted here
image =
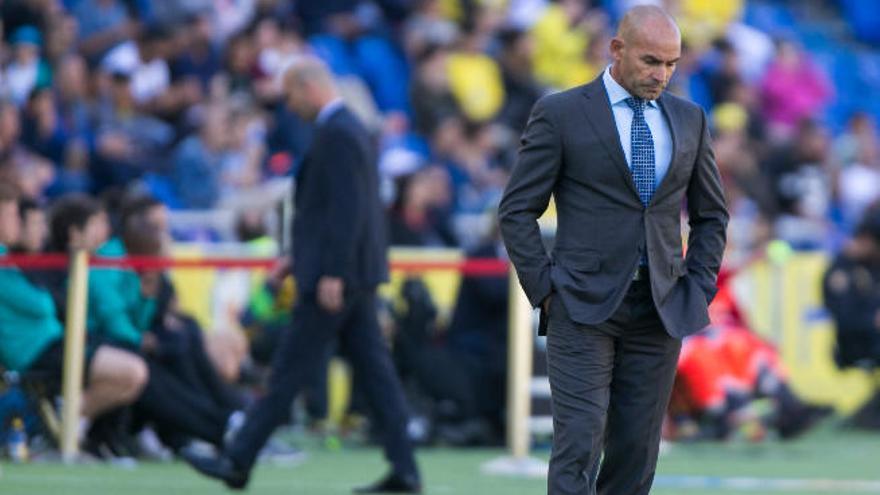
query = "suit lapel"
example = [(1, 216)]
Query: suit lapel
[(674, 128), (598, 111)]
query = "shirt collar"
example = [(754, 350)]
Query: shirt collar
[(328, 110), (616, 92)]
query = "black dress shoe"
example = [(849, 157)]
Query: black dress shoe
[(393, 483), (220, 468)]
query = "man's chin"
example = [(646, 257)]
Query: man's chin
[(651, 94)]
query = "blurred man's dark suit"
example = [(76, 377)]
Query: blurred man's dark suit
[(338, 231), (613, 341)]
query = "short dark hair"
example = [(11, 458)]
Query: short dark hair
[(135, 205), (73, 210), (141, 238)]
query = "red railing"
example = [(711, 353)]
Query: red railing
[(485, 267)]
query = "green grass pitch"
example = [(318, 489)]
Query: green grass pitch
[(829, 460)]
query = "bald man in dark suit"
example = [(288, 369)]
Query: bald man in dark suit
[(620, 157)]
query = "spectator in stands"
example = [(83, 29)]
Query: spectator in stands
[(851, 288), (562, 34), (860, 132), (145, 62), (242, 172), (856, 153), (199, 60), (420, 213), (30, 173), (354, 45), (31, 335), (18, 13), (74, 116), (61, 36), (744, 95), (726, 74), (103, 24), (430, 95), (27, 70), (521, 88), (749, 196), (278, 43), (171, 12), (799, 177), (200, 160), (242, 71), (34, 227), (477, 175), (128, 143), (859, 184), (427, 26), (42, 130), (793, 89), (475, 77)]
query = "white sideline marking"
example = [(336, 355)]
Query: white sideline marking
[(772, 484)]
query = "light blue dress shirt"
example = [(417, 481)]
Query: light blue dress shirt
[(623, 116)]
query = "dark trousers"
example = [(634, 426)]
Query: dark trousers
[(193, 366), (302, 353), (178, 410), (610, 387)]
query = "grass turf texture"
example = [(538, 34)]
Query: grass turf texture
[(827, 454)]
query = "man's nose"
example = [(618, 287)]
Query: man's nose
[(660, 75)]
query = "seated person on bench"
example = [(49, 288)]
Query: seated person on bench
[(32, 337)]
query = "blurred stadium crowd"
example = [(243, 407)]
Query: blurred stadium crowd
[(105, 104)]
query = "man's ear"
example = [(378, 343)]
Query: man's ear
[(616, 48)]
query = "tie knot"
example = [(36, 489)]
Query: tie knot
[(637, 104)]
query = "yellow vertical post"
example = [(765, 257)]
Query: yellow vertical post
[(519, 373), (74, 352)]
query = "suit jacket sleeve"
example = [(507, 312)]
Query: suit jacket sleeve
[(343, 180), (525, 200), (708, 217)]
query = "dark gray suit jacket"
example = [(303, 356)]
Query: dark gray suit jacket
[(571, 149)]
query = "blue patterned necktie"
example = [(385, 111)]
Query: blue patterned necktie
[(642, 151)]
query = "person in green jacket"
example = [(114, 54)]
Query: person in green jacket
[(31, 335), (121, 313)]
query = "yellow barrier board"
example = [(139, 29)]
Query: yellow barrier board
[(783, 303)]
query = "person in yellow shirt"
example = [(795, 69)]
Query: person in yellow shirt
[(474, 77), (562, 37)]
